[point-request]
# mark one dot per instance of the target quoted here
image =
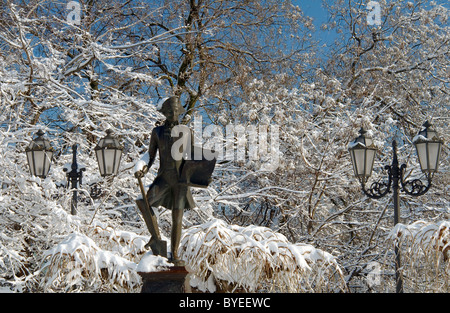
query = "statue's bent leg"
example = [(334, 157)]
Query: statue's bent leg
[(149, 221), (146, 214)]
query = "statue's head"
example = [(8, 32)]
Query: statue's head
[(171, 108)]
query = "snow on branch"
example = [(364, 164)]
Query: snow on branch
[(422, 236), (425, 252), (77, 263), (222, 257), (233, 258)]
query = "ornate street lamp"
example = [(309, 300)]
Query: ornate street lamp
[(109, 153), (40, 152), (362, 152), (39, 155), (428, 147)]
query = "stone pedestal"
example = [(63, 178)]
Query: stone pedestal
[(170, 280)]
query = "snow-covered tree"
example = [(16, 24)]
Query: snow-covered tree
[(247, 64)]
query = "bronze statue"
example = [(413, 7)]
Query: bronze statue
[(171, 187)]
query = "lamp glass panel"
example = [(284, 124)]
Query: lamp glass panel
[(359, 161), (109, 155), (370, 157), (39, 162), (108, 161), (422, 155), (101, 165), (434, 149), (48, 159), (117, 161), (31, 162), (352, 156)]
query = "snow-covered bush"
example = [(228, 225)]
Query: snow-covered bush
[(222, 257), (423, 237), (425, 255), (233, 258), (78, 263)]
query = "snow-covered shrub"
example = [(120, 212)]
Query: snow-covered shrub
[(125, 243), (222, 257), (79, 264), (425, 253), (233, 258)]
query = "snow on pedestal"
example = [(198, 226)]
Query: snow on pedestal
[(161, 276), (153, 263)]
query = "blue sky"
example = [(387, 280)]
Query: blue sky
[(314, 9)]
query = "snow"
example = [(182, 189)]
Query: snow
[(142, 162), (140, 165), (309, 197), (78, 255), (217, 249), (153, 263), (419, 138), (73, 243), (424, 234), (354, 144), (213, 250), (160, 103)]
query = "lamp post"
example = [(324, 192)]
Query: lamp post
[(75, 178), (39, 154), (362, 152)]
